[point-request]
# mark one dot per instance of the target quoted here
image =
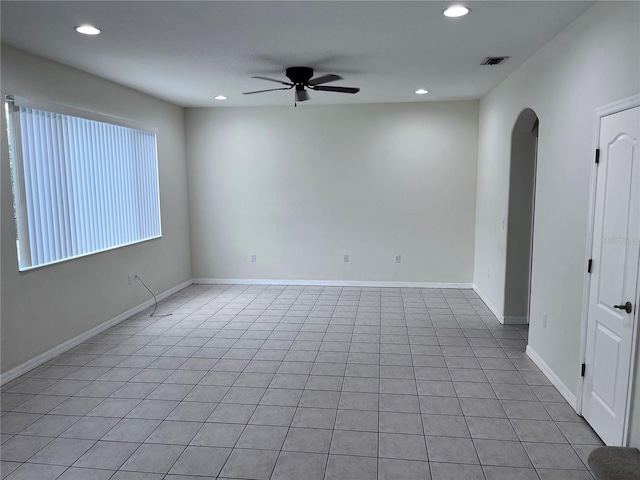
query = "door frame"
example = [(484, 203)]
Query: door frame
[(609, 109), (533, 218), (511, 320)]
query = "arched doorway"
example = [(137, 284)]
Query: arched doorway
[(522, 184)]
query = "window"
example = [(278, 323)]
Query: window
[(82, 183)]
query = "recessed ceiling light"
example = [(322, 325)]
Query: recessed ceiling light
[(456, 11), (220, 97), (421, 91), (87, 29)]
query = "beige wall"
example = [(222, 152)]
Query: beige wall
[(45, 307), (593, 62), (302, 187)]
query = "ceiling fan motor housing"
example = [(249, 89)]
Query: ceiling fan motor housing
[(299, 74)]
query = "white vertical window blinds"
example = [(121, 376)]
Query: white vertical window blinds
[(80, 185)]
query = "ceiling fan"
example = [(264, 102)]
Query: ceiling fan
[(301, 80)]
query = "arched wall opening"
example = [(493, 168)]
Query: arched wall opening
[(522, 184)]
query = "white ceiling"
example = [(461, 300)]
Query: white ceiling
[(187, 52)]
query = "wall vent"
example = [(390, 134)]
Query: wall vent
[(491, 61)]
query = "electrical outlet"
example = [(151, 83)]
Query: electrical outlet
[(346, 258), (131, 279), (398, 258), (544, 320), (253, 258)]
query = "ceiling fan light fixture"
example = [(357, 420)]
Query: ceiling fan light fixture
[(421, 91), (455, 11), (219, 97), (87, 29), (301, 78)]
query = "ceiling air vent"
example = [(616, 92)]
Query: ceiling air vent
[(491, 61)]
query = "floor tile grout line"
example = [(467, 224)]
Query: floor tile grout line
[(295, 411), (387, 320), (256, 407), (161, 421), (500, 402), (333, 429), (424, 433), (464, 416)]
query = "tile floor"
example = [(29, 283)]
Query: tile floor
[(298, 383)]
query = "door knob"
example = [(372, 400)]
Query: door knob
[(627, 307)]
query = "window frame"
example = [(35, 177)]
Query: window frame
[(16, 164)]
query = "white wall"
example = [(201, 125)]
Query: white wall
[(45, 307), (593, 62), (301, 187)]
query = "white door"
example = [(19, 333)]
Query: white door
[(614, 279)]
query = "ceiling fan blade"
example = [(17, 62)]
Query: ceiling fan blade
[(273, 80), (321, 88), (301, 95), (269, 90), (324, 79)]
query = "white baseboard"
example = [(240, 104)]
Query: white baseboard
[(327, 283), (75, 341), (553, 378), (495, 310), (515, 320)]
